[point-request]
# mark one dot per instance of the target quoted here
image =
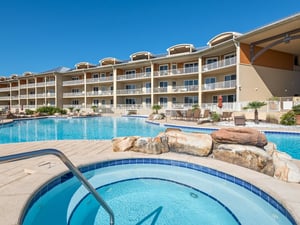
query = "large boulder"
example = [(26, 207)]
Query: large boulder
[(155, 145), (245, 155), (240, 135), (122, 144), (148, 145), (191, 143)]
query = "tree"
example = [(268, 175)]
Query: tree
[(156, 108), (255, 105)]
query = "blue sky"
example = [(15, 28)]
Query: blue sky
[(38, 35)]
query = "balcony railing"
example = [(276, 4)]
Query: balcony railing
[(99, 93), (160, 90), (72, 82), (14, 88), (219, 64), (188, 88), (173, 72), (73, 94), (5, 98), (129, 106), (99, 79), (130, 91), (50, 83), (134, 76), (4, 89), (219, 85)]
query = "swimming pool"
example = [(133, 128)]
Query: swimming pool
[(106, 128), (154, 191)]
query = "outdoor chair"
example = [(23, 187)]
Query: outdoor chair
[(197, 114)]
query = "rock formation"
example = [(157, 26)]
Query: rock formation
[(245, 147)]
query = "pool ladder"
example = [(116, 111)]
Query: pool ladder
[(70, 165)]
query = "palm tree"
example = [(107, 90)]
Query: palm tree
[(156, 108), (255, 105)]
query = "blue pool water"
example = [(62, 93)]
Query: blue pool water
[(155, 191), (106, 128)]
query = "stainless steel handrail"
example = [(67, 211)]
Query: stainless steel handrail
[(69, 164)]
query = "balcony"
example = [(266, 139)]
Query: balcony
[(99, 93), (130, 91), (14, 88), (5, 98), (160, 90), (134, 76), (73, 82), (4, 89), (189, 88), (73, 94), (174, 72), (50, 83), (219, 85), (99, 80), (219, 64)]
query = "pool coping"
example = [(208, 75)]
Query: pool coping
[(20, 179)]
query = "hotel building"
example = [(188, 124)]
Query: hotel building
[(247, 67)]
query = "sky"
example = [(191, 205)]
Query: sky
[(39, 35)]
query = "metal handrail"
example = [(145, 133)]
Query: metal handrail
[(69, 164)]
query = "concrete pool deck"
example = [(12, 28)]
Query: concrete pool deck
[(18, 180)]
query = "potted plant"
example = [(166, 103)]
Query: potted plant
[(255, 105), (296, 110)]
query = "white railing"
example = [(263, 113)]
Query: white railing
[(23, 86), (130, 91), (219, 85), (187, 88), (42, 95), (219, 64), (23, 96), (4, 97), (129, 106), (31, 96), (134, 76), (72, 82), (98, 80), (160, 90), (50, 83), (67, 106), (73, 94), (14, 88), (40, 84), (99, 93), (173, 72), (4, 89)]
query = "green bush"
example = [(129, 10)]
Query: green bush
[(50, 110), (288, 118), (215, 117), (29, 111)]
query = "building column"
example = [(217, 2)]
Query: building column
[(84, 90), (115, 88), (200, 81), (238, 86), (152, 84)]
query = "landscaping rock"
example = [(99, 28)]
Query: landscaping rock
[(240, 135), (247, 156), (155, 145), (191, 143), (123, 144)]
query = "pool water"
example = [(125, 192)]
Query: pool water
[(152, 201), (144, 191), (106, 128)]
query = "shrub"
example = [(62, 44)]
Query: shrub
[(29, 111), (288, 118), (50, 110), (215, 117)]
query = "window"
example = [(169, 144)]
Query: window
[(191, 100), (174, 68), (229, 59), (75, 78), (228, 79), (191, 67), (148, 70), (75, 102), (163, 86), (95, 89), (75, 90), (163, 101), (212, 63), (103, 102), (190, 82), (163, 69), (148, 87), (96, 102), (130, 101), (128, 72), (209, 83), (95, 75), (226, 98), (174, 100), (130, 86), (148, 101)]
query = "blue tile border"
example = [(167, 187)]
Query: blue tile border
[(66, 176)]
